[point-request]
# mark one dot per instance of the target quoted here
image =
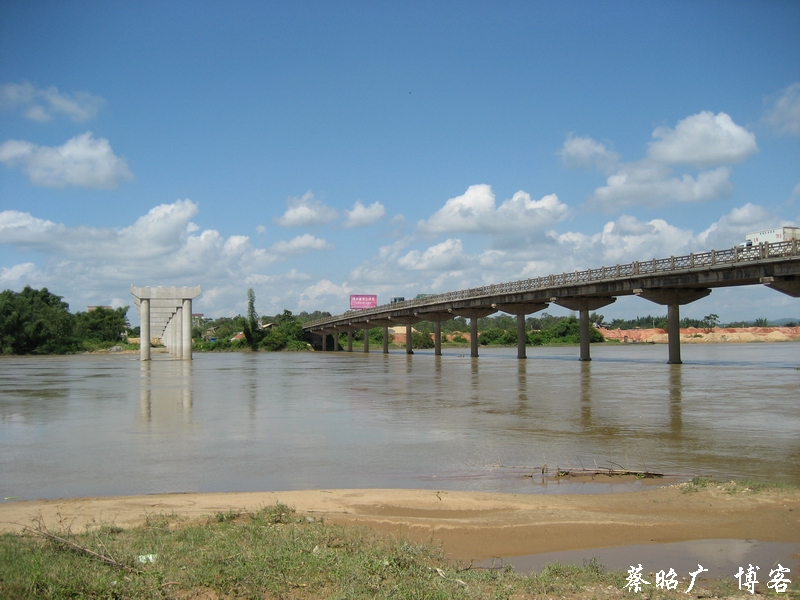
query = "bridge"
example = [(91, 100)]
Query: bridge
[(672, 281)]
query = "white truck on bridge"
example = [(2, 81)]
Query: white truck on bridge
[(771, 236)]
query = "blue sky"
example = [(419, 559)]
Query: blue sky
[(311, 150)]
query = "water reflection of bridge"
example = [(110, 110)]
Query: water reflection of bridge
[(672, 282), (165, 393)]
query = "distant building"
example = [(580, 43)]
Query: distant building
[(93, 308)]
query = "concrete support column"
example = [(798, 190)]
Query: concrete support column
[(674, 333), (583, 323), (409, 339), (473, 314), (177, 340), (386, 339), (583, 305), (522, 337), (166, 337), (187, 329), (324, 343), (366, 339), (349, 340), (144, 329), (436, 317), (473, 337), (170, 335), (335, 336), (166, 313), (673, 298)]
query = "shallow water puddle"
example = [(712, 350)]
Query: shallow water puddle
[(722, 558)]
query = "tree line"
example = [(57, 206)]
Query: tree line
[(499, 330), (39, 322), (253, 331), (708, 322)]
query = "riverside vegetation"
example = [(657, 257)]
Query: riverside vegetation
[(275, 553), (39, 322), (268, 553)]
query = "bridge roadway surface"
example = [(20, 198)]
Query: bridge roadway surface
[(672, 281)]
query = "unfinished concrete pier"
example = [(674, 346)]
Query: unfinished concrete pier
[(166, 313)]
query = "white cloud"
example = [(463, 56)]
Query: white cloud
[(475, 212), (16, 274), (361, 215), (784, 115), (649, 184), (163, 247), (796, 190), (447, 256), (628, 239), (41, 104), (300, 244), (703, 139), (700, 140), (732, 228), (323, 291), (82, 161), (305, 211), (290, 276), (584, 152), (399, 269)]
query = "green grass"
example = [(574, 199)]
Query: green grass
[(271, 553), (735, 486)]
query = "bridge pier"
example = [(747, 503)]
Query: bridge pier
[(437, 318), (171, 309), (583, 306), (144, 329), (385, 323), (520, 310), (673, 298), (788, 285), (473, 314), (349, 340), (408, 321)]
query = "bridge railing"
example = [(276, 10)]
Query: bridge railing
[(621, 271)]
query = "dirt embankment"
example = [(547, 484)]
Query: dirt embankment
[(693, 335), (470, 525)]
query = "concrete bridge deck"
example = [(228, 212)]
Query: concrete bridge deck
[(672, 281)]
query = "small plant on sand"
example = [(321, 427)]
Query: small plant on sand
[(695, 484)]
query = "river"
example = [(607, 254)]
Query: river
[(107, 424)]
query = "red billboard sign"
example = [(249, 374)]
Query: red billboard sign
[(358, 301)]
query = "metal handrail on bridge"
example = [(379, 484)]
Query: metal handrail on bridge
[(636, 268)]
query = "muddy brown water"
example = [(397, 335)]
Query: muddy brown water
[(110, 425), (106, 424)]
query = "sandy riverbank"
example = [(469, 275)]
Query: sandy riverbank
[(718, 335), (471, 525)]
